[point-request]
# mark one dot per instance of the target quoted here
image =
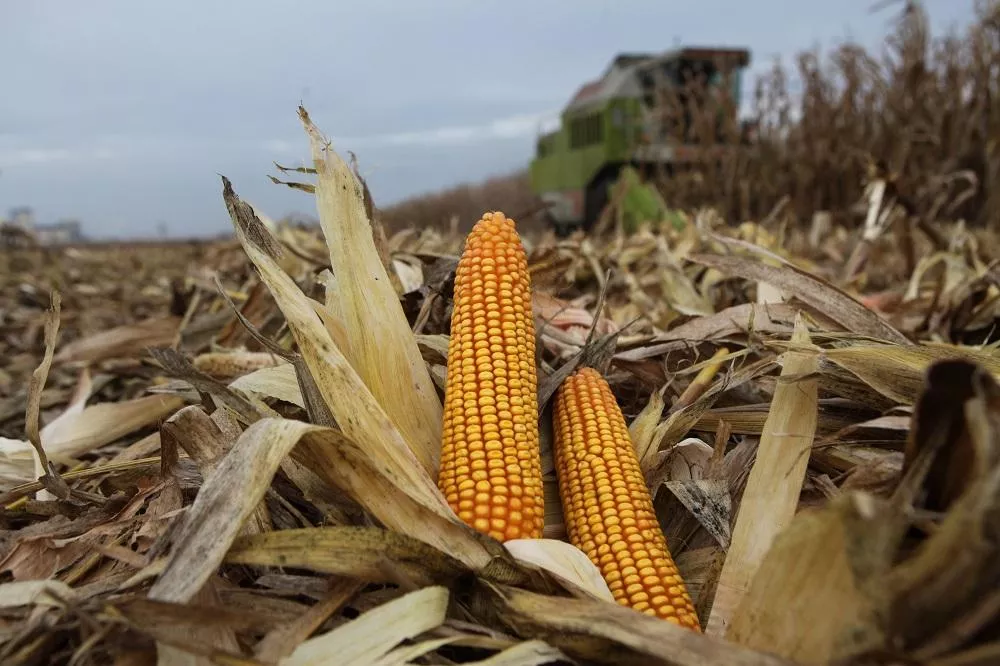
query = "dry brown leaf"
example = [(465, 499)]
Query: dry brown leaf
[(411, 274), (81, 431), (600, 632), (196, 633), (278, 382), (806, 579), (176, 365), (54, 547), (885, 424), (768, 293), (104, 423), (528, 653), (228, 497), (749, 419), (381, 347), (47, 592), (897, 372), (282, 641), (18, 458), (679, 423), (367, 639), (404, 656), (564, 560), (841, 570), (199, 436), (772, 491), (812, 290), (689, 459), (945, 593), (707, 370), (435, 343), (642, 430), (236, 485), (405, 504), (771, 318), (681, 294), (368, 553), (206, 444), (558, 313), (128, 341), (358, 414), (954, 418), (218, 635), (139, 467), (34, 558), (708, 502), (32, 418)]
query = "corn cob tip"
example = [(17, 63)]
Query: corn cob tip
[(607, 505), (494, 222), (490, 458)]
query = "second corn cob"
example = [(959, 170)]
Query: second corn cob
[(607, 506), (230, 365), (491, 469)]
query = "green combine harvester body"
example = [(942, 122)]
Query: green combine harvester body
[(612, 123)]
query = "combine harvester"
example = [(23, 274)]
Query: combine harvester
[(637, 114)]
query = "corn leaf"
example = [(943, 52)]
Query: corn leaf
[(567, 562), (600, 632), (277, 382), (772, 492), (381, 347), (818, 293), (357, 412), (367, 639), (897, 372), (369, 553)]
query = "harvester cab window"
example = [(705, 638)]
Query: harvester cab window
[(586, 131), (648, 87)]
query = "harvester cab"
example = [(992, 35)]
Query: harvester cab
[(646, 110)]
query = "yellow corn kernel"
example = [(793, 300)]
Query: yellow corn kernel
[(607, 506), (491, 467)]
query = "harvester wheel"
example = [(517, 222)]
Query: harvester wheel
[(596, 197), (563, 229)]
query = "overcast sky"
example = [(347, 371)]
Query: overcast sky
[(122, 113)]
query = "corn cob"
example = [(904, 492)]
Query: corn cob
[(607, 506), (491, 469), (230, 365)]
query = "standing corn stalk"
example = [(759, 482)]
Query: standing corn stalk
[(491, 469)]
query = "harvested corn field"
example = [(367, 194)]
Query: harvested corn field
[(711, 439)]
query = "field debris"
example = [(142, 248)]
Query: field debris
[(242, 490)]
